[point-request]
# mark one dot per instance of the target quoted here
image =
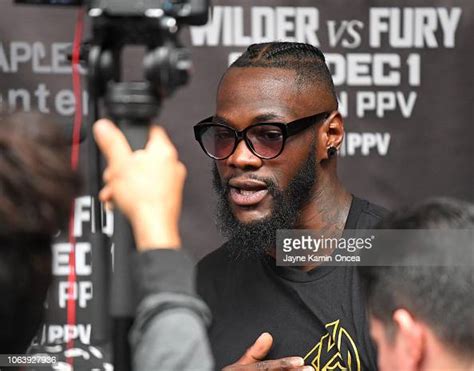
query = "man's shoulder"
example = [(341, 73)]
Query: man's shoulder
[(374, 210), (370, 214), (215, 260), (214, 272)]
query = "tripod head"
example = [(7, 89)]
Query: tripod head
[(166, 65)]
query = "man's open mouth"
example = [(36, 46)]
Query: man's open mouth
[(247, 192)]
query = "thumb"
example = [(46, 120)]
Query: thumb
[(258, 350), (158, 140)]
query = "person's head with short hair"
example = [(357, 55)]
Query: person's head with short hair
[(268, 180), (422, 316), (37, 187)]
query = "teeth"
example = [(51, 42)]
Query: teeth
[(245, 192)]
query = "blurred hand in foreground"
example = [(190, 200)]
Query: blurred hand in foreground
[(146, 185)]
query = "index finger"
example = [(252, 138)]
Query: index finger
[(287, 363), (111, 141)]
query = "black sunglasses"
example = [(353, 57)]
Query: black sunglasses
[(265, 140)]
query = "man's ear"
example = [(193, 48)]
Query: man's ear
[(409, 338), (331, 134)]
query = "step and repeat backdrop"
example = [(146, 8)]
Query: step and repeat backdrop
[(403, 74)]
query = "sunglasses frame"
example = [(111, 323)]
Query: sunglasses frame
[(289, 129)]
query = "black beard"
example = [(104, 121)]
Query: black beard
[(253, 240)]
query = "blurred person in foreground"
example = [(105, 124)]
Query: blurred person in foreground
[(422, 316), (37, 187)]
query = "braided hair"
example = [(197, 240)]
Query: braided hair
[(305, 59)]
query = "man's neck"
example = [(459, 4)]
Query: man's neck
[(443, 362), (438, 356), (328, 207), (327, 210)]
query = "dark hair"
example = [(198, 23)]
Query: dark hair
[(37, 187), (440, 296), (305, 59)]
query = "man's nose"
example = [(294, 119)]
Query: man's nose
[(243, 158)]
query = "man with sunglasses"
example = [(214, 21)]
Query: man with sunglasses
[(273, 139)]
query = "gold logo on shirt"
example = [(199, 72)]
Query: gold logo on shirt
[(335, 351)]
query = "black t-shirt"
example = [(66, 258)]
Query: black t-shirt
[(319, 315)]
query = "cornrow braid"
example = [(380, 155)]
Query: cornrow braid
[(305, 59), (298, 50)]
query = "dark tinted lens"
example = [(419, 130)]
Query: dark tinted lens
[(218, 141), (267, 140)]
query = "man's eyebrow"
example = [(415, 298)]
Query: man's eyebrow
[(267, 117), (219, 120), (257, 119)]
